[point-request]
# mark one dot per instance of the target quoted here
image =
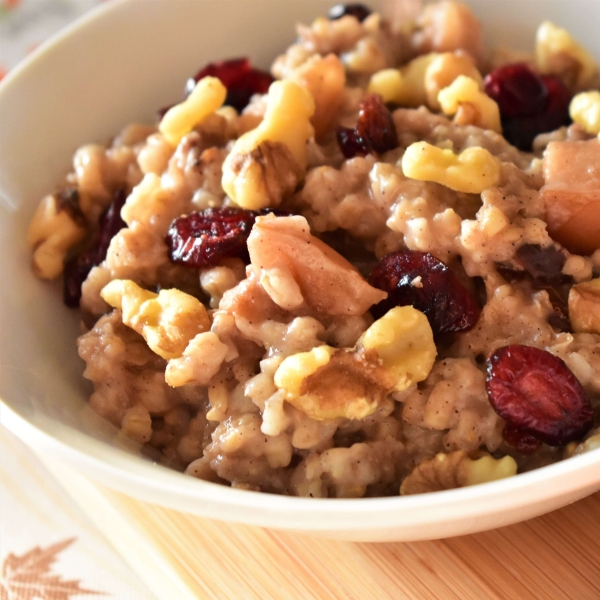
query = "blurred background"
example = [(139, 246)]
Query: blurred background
[(25, 24)]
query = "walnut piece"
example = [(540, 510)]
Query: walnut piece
[(393, 353), (269, 161), (53, 230), (584, 307), (455, 470), (168, 321)]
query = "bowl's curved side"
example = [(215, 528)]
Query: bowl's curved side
[(122, 63), (409, 518)]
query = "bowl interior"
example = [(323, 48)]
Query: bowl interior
[(119, 65)]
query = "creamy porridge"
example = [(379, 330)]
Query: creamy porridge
[(372, 271)]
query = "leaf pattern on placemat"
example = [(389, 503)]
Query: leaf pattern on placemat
[(29, 577)]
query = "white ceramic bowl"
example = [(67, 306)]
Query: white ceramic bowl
[(117, 66)]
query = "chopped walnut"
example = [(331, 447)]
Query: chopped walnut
[(584, 307), (262, 176), (268, 162), (444, 70), (464, 99), (55, 227), (207, 96), (394, 353), (326, 383), (454, 470), (168, 321), (403, 342), (557, 53)]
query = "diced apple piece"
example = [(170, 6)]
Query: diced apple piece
[(296, 267), (448, 26), (572, 194)]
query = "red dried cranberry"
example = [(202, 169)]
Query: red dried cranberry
[(543, 271), (544, 263), (376, 125), (203, 239), (240, 78), (79, 267), (111, 223), (359, 11), (521, 131), (557, 110), (520, 440), (536, 393), (375, 130), (350, 143), (518, 90), (419, 279), (76, 271)]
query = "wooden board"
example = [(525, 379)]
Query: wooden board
[(554, 557)]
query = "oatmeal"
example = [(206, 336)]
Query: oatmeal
[(373, 271)]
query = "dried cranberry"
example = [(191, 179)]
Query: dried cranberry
[(240, 78), (521, 131), (376, 125), (350, 143), (375, 130), (542, 270), (518, 90), (359, 11), (529, 104), (419, 279), (557, 110), (203, 239), (558, 294), (520, 440), (79, 267), (111, 223), (76, 271), (544, 263), (536, 393)]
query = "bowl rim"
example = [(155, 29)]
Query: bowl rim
[(268, 509), (390, 511)]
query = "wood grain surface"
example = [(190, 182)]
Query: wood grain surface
[(553, 557)]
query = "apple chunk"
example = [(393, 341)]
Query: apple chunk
[(572, 194)]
